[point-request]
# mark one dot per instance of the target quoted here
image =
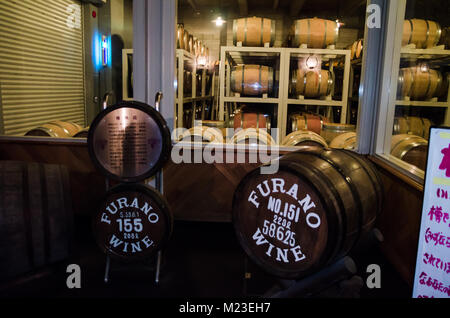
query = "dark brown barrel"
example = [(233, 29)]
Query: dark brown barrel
[(35, 217), (55, 129), (251, 120), (411, 149), (313, 211), (254, 31), (133, 222)]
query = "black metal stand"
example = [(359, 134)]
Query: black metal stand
[(158, 186)]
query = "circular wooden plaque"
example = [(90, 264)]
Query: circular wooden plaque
[(129, 142), (133, 222)]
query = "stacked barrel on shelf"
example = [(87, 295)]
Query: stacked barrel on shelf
[(314, 33), (421, 33), (55, 129), (191, 44), (420, 83)]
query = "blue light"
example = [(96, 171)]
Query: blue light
[(101, 51)]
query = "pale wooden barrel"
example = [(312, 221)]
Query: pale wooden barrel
[(359, 49), (412, 125), (344, 141), (419, 84), (56, 129), (190, 47), (311, 122), (252, 136), (331, 130), (180, 37), (315, 33), (422, 33), (251, 120), (411, 149), (311, 84), (254, 31), (252, 79), (202, 134), (304, 138)]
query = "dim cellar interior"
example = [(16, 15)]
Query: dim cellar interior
[(244, 76)]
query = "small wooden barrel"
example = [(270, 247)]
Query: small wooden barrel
[(423, 33), (412, 125), (318, 205), (315, 33), (190, 47), (180, 37), (445, 38), (359, 49), (133, 223), (251, 120), (331, 130), (252, 136), (202, 134), (411, 149), (304, 138), (56, 129), (344, 141), (36, 221), (305, 121), (419, 84), (254, 31), (186, 40), (252, 80), (83, 133), (311, 84)]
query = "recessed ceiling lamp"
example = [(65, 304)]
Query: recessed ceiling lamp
[(219, 21)]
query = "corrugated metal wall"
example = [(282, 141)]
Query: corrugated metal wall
[(41, 63)]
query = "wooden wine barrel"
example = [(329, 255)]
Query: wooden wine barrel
[(412, 125), (423, 33), (311, 84), (310, 213), (202, 134), (344, 141), (252, 136), (411, 149), (304, 138), (445, 38), (133, 222), (190, 47), (251, 120), (254, 31), (359, 49), (252, 79), (305, 121), (180, 37), (419, 84), (56, 129), (316, 33), (331, 130), (36, 218), (352, 49), (83, 133)]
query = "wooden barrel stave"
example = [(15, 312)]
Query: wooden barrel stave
[(37, 220)]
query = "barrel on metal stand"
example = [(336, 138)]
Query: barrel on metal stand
[(254, 31), (423, 33), (411, 149), (311, 84), (36, 219), (309, 214), (133, 222), (331, 130), (252, 79), (315, 33), (251, 120), (304, 138), (180, 37), (56, 129)]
